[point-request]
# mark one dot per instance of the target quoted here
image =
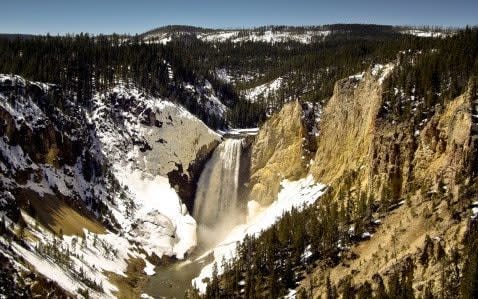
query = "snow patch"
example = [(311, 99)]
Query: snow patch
[(264, 90), (426, 33), (163, 227), (149, 269)]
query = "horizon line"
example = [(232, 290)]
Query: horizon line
[(417, 26)]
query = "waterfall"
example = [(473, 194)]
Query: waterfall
[(217, 192)]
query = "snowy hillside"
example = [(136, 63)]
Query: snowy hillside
[(117, 163), (240, 36), (268, 36), (427, 33), (263, 91), (280, 34), (143, 148)]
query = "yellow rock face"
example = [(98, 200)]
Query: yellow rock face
[(383, 158), (277, 153), (346, 128), (445, 143), (353, 139)]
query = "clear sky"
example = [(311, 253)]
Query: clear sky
[(136, 16)]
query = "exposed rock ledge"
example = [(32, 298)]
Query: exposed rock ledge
[(278, 153)]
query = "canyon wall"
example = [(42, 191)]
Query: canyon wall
[(278, 153)]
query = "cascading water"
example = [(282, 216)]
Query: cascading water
[(216, 210), (216, 203)]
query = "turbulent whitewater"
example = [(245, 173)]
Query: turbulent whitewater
[(218, 186)]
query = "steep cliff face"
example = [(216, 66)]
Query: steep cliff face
[(278, 153), (406, 157), (425, 164), (159, 138), (347, 127), (25, 123), (387, 158), (444, 147)]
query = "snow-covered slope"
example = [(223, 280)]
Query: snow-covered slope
[(426, 33), (239, 36), (268, 36), (115, 171), (142, 148), (263, 91), (207, 98), (282, 34)]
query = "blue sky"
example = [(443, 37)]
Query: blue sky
[(136, 16)]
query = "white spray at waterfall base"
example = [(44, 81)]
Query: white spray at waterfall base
[(293, 194)]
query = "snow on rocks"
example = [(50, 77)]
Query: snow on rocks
[(223, 75), (14, 156), (378, 71), (162, 225), (307, 254), (366, 235), (24, 111), (265, 90), (149, 268), (142, 147), (357, 77), (474, 211), (12, 80), (382, 71), (208, 97)]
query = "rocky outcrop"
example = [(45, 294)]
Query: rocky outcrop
[(347, 127), (23, 123), (360, 147), (444, 145), (185, 180), (179, 146), (388, 158), (278, 153), (417, 173)]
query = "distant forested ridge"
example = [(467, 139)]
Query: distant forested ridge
[(84, 64)]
